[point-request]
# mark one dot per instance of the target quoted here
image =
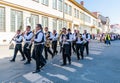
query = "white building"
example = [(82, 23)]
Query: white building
[(103, 23), (115, 28), (17, 14)]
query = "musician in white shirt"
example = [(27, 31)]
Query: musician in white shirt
[(54, 42), (18, 47), (79, 46), (27, 38), (86, 38)]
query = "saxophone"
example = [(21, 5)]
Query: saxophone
[(48, 41)]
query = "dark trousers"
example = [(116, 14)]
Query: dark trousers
[(74, 46), (60, 43), (47, 49), (66, 53), (80, 50), (37, 55), (54, 47), (86, 45), (27, 52), (18, 47)]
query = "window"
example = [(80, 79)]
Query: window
[(87, 19), (34, 21), (60, 25), (36, 0), (16, 20), (75, 12), (2, 19), (94, 22), (54, 24), (54, 4), (65, 24), (82, 16), (70, 10), (60, 7), (45, 21), (45, 2), (65, 8)]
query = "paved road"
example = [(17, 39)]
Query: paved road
[(102, 66)]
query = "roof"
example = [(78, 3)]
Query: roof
[(83, 8)]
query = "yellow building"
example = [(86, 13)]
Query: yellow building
[(17, 14)]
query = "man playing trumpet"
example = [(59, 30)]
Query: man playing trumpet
[(18, 47), (27, 37)]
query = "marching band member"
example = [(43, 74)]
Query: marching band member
[(49, 36), (71, 36), (27, 51), (66, 43), (86, 37), (54, 42), (74, 41), (18, 47), (79, 45), (38, 48)]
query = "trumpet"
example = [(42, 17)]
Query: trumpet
[(12, 38)]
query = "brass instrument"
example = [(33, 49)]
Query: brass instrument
[(11, 44), (48, 41), (12, 38), (60, 35)]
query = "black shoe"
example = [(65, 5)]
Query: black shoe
[(53, 55), (23, 60), (63, 64), (12, 60), (42, 66), (27, 63), (69, 63), (78, 58), (36, 71)]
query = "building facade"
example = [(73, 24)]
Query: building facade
[(103, 23), (56, 14)]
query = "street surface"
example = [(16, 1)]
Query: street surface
[(101, 66)]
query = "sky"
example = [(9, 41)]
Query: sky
[(107, 8)]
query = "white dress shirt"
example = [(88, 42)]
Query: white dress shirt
[(28, 37), (84, 37), (18, 40), (39, 37), (79, 41), (55, 37)]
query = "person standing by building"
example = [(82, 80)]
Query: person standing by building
[(66, 44), (18, 47), (86, 37), (54, 42), (38, 48), (48, 36), (27, 49)]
